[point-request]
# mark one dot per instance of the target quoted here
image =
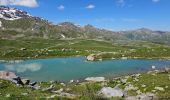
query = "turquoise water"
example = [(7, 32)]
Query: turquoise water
[(65, 69)]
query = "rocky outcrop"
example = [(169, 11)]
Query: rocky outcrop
[(10, 76)]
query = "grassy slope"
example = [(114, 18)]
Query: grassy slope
[(41, 48), (88, 91)]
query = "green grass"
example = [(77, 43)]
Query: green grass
[(88, 90), (43, 48)]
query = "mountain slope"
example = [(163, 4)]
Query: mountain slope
[(15, 24)]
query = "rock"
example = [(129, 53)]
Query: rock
[(95, 79), (8, 95), (18, 81), (32, 84), (153, 67), (149, 72), (166, 87), (136, 80), (138, 92), (147, 96), (7, 75), (159, 88), (25, 81), (143, 85), (23, 49), (167, 69), (123, 80), (63, 84), (131, 98), (58, 91), (109, 92), (137, 75), (153, 91), (49, 88), (91, 57), (71, 81), (24, 94)]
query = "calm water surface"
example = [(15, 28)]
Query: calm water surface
[(65, 69)]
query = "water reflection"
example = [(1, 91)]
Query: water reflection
[(24, 67)]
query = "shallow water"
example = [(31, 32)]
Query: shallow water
[(65, 69)]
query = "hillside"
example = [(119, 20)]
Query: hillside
[(25, 36)]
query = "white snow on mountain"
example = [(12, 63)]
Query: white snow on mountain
[(12, 13)]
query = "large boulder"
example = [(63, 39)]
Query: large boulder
[(109, 92), (7, 75)]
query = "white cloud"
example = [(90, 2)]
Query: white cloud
[(90, 6), (121, 3), (61, 7), (24, 67), (27, 3), (155, 1)]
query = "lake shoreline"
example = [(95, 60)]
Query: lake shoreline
[(124, 87)]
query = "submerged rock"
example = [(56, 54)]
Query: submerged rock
[(95, 79), (109, 92)]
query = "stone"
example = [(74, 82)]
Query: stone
[(131, 98), (49, 88), (24, 94), (25, 81), (109, 92), (166, 87), (153, 67), (143, 85), (23, 49), (8, 95), (167, 69), (63, 84), (95, 79), (137, 75), (138, 92), (91, 57), (7, 75), (159, 88), (123, 80), (147, 96), (33, 83), (71, 81)]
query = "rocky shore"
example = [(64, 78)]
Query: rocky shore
[(153, 85)]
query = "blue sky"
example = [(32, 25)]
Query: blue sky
[(108, 14)]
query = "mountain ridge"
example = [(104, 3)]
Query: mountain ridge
[(23, 24)]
